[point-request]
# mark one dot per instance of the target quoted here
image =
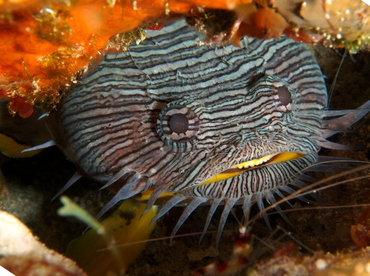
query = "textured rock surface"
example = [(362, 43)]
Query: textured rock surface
[(22, 254)]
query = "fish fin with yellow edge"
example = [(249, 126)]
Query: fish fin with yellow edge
[(11, 148), (97, 251), (18, 136)]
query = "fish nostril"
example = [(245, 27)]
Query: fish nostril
[(179, 123)]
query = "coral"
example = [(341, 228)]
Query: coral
[(48, 43)]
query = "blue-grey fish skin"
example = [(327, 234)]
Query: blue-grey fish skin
[(236, 104)]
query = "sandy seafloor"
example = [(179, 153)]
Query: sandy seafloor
[(31, 183)]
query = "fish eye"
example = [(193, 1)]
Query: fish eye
[(178, 121), (284, 95), (281, 92)]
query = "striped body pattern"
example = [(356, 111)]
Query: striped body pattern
[(169, 115)]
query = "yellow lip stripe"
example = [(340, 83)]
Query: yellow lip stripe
[(233, 171), (238, 169)]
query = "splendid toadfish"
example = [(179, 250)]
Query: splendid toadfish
[(218, 125)]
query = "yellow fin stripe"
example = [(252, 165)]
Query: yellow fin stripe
[(145, 195), (117, 243), (11, 148)]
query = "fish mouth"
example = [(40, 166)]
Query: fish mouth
[(233, 171), (253, 164)]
